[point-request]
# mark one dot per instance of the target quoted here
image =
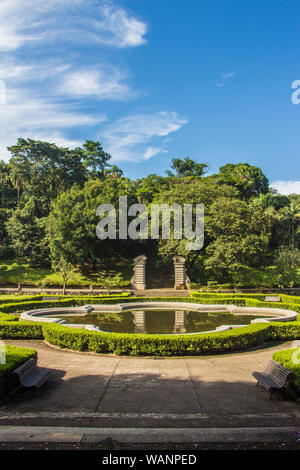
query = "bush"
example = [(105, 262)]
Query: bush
[(6, 299), (154, 345), (237, 339), (21, 330), (7, 317), (15, 356), (285, 359)]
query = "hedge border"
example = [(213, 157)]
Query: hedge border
[(15, 356), (236, 339)]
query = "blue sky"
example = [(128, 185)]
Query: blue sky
[(156, 79)]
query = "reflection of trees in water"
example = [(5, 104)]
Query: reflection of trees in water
[(160, 321), (207, 321), (118, 322)]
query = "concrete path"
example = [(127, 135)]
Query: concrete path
[(199, 394)]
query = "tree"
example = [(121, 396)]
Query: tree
[(41, 170), (287, 262), (239, 235), (27, 235), (65, 268), (292, 215), (72, 222), (187, 167), (95, 159), (249, 180), (109, 279)]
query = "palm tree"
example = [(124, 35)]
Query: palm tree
[(292, 213)]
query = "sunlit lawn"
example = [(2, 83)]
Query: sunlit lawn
[(13, 272)]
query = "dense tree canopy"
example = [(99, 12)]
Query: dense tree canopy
[(49, 196)]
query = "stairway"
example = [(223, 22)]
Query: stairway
[(159, 276)]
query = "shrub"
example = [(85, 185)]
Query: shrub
[(236, 339), (285, 359), (15, 356), (7, 317), (21, 330), (154, 345), (6, 299)]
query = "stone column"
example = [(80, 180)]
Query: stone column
[(138, 281), (139, 320), (179, 325), (180, 276)]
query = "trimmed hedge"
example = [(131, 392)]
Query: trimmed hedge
[(290, 299), (6, 317), (237, 339), (15, 356), (6, 299), (21, 330), (285, 359)]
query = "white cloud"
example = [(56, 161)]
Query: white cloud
[(106, 83), (119, 29), (228, 75), (134, 137), (225, 76), (26, 21), (27, 117), (286, 187)]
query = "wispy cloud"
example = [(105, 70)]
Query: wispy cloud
[(141, 136), (105, 82), (224, 77), (27, 116), (90, 20), (44, 92), (286, 187)]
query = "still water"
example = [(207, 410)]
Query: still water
[(160, 321)]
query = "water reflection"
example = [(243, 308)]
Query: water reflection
[(160, 321)]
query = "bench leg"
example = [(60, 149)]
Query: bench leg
[(271, 393)]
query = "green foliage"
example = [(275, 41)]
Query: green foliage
[(15, 357), (285, 359), (237, 339), (109, 279), (21, 330), (248, 179), (287, 262), (187, 167), (154, 345), (48, 201), (6, 299)]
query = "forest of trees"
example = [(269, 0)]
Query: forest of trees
[(49, 196)]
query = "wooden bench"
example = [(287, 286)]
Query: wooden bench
[(275, 378), (31, 376), (272, 298)]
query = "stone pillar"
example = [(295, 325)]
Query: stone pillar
[(139, 320), (179, 325), (138, 281), (180, 276)]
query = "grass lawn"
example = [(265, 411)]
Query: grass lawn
[(14, 272), (255, 278)]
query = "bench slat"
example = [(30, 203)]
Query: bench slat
[(30, 375), (275, 377)]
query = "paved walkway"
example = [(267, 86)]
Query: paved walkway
[(94, 391)]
